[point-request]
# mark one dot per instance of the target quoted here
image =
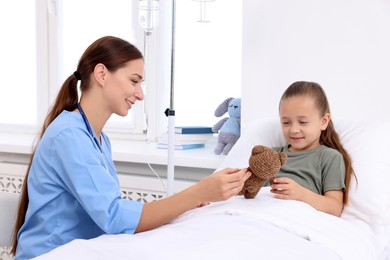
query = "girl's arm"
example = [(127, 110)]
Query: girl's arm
[(331, 202), (219, 186)]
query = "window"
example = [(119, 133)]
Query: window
[(43, 46), (18, 52), (47, 38)]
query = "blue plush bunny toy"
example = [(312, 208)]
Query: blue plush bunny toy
[(228, 128)]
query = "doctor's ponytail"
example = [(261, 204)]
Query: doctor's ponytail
[(67, 99)]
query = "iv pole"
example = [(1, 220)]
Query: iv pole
[(170, 113), (148, 9)]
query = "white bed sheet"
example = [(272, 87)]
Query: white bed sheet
[(265, 228)]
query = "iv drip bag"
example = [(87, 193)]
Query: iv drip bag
[(148, 10)]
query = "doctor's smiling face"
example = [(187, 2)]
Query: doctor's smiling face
[(123, 87)]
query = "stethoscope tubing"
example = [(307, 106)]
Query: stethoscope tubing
[(89, 128)]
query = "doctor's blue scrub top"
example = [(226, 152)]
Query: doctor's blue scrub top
[(73, 190)]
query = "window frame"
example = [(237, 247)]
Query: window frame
[(49, 63)]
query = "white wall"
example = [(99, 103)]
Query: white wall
[(343, 45)]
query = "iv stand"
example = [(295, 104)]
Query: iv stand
[(170, 113)]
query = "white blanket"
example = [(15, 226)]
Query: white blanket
[(262, 228)]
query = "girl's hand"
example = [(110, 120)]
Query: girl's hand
[(331, 202), (287, 189)]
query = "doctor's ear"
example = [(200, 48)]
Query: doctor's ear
[(100, 73)]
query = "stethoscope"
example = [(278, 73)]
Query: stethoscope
[(89, 128), (91, 132)]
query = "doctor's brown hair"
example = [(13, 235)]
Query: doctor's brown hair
[(329, 137), (111, 51)]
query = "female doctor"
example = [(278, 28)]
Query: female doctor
[(71, 189)]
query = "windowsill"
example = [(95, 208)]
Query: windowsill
[(129, 151)]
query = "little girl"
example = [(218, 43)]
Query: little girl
[(318, 169)]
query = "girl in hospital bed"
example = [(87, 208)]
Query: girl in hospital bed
[(318, 169), (71, 189)]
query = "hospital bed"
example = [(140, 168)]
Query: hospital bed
[(265, 227)]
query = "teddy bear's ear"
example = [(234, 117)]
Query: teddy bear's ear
[(258, 149), (223, 107), (282, 157)]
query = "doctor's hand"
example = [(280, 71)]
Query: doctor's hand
[(222, 185)]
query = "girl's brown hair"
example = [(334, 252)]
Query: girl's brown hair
[(111, 51), (329, 136)]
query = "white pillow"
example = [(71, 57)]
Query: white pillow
[(368, 144), (369, 147)]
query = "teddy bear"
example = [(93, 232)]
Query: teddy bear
[(228, 128), (264, 163)]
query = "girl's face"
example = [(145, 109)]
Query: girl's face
[(302, 123), (124, 87)]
